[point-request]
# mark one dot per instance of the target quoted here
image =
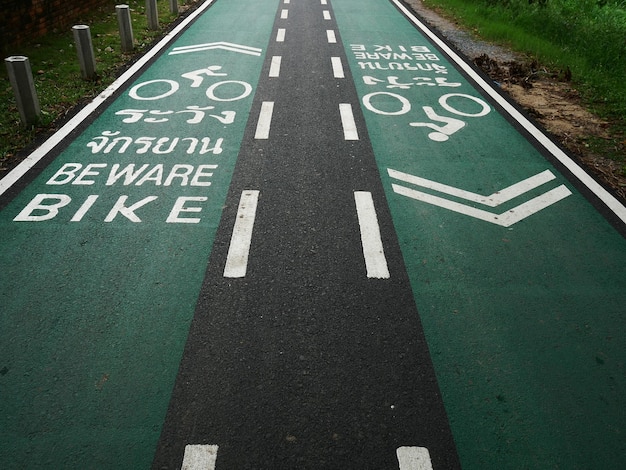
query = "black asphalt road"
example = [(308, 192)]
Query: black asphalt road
[(306, 363)]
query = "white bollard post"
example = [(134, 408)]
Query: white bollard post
[(126, 28), (174, 7), (152, 14), (84, 48), (21, 78)]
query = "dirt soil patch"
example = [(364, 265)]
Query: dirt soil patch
[(547, 96)]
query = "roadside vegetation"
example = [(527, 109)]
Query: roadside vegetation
[(579, 40), (57, 76)]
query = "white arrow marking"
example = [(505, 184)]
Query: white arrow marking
[(414, 458), (373, 251), (506, 219), (199, 457), (493, 200), (227, 46), (239, 249)]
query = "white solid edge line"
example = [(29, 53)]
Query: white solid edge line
[(337, 67), (607, 198), (25, 165), (414, 458), (199, 457), (265, 121), (275, 66), (239, 249), (373, 251)]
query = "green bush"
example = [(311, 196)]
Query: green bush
[(587, 37)]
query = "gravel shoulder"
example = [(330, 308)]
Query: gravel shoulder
[(547, 96)]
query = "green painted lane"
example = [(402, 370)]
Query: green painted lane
[(519, 281), (103, 255)]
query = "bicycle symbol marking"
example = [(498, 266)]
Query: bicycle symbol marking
[(441, 133)]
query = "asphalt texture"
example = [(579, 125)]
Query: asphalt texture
[(306, 362)]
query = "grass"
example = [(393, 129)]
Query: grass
[(584, 37), (57, 75)]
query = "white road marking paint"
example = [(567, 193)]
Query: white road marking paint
[(337, 67), (347, 120), (607, 198), (284, 14), (275, 66), (506, 219), (286, 2), (280, 35), (330, 35), (237, 259), (493, 200), (324, 2), (265, 120), (20, 170), (326, 14), (80, 213), (373, 252), (227, 46), (199, 457), (414, 458)]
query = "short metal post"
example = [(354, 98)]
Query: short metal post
[(174, 7), (21, 78), (84, 48), (126, 28), (152, 14)]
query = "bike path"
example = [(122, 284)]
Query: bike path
[(103, 255), (503, 356), (310, 357), (518, 279)]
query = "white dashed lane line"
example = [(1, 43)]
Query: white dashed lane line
[(275, 67), (347, 120), (265, 120), (237, 259)]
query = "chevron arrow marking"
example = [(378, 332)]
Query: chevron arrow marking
[(493, 200), (227, 46), (505, 219)]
